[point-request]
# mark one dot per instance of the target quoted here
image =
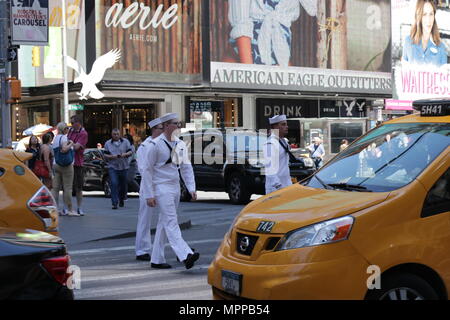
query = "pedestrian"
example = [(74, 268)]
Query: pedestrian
[(344, 145), (317, 152), (46, 155), (276, 153), (143, 237), (34, 147), (63, 167), (117, 152), (168, 160), (79, 136)]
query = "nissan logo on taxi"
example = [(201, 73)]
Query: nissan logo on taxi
[(245, 243)]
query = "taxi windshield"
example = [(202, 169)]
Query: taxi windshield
[(387, 158)]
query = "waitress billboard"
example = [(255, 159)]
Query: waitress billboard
[(420, 42)]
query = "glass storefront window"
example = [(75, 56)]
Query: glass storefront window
[(349, 131), (207, 114), (135, 119)]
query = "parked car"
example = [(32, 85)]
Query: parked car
[(33, 266), (372, 223), (24, 201), (238, 170), (96, 177)]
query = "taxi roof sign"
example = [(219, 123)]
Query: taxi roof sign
[(433, 107)]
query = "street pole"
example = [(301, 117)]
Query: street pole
[(4, 73), (64, 48)]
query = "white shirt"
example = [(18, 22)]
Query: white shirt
[(277, 163), (158, 173), (243, 13)]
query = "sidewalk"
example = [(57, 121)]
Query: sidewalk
[(101, 222)]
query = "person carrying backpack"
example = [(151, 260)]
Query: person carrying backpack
[(64, 158)]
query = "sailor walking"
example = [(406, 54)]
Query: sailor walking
[(143, 237), (276, 153), (168, 159)]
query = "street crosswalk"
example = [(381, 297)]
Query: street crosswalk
[(113, 274)]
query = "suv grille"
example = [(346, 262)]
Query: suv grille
[(245, 243)]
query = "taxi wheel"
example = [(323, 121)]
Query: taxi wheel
[(403, 287), (237, 190)]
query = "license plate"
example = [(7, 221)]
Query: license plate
[(294, 180), (232, 282)]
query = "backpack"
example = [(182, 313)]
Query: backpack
[(63, 159)]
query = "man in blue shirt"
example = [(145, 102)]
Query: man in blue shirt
[(117, 151)]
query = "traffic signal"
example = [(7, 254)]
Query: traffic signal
[(14, 90), (36, 57)]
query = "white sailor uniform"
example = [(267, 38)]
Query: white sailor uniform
[(163, 176), (277, 164)]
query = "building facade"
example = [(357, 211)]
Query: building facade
[(325, 66)]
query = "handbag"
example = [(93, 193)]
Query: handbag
[(63, 159), (40, 169)]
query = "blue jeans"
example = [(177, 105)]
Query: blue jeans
[(119, 185)]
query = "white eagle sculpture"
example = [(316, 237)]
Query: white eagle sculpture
[(97, 73)]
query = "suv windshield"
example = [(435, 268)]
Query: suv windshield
[(387, 158)]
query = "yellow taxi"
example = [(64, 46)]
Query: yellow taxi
[(24, 201), (373, 223)]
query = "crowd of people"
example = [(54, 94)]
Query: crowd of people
[(58, 162)]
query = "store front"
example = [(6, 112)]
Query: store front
[(208, 113), (130, 119), (330, 120)]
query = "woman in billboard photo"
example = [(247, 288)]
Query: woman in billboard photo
[(261, 29), (424, 45)]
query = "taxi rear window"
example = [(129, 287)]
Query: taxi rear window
[(386, 159)]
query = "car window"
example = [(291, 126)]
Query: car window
[(251, 141), (387, 158), (88, 156), (438, 198)]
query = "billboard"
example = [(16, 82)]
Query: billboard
[(160, 40), (420, 51), (29, 22), (303, 45)]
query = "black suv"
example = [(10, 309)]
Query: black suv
[(96, 176), (232, 161)]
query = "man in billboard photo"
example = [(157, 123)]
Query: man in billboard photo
[(261, 29), (424, 44)]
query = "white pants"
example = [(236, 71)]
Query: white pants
[(143, 236), (167, 201), (271, 181)]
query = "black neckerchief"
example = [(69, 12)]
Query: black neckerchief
[(169, 161), (292, 158)]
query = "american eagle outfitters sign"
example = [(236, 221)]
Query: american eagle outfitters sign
[(230, 75)]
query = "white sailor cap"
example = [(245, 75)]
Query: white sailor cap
[(154, 122), (277, 119), (168, 117)]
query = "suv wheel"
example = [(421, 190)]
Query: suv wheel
[(107, 187), (237, 190), (185, 196), (404, 286)]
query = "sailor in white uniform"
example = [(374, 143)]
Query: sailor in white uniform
[(143, 237), (167, 160), (277, 156)]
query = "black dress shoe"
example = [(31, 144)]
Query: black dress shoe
[(143, 257), (190, 260), (114, 207), (121, 204), (193, 250), (160, 265)]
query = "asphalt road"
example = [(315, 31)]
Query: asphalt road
[(108, 269)]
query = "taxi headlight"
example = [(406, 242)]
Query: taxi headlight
[(321, 233)]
